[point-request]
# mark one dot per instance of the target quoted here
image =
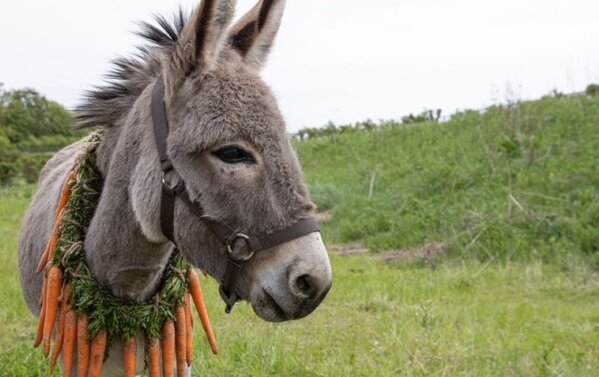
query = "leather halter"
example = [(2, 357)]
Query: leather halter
[(224, 232)]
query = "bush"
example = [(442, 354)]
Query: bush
[(8, 172), (425, 116), (30, 166), (592, 90)]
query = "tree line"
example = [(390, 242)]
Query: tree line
[(366, 126), (427, 115), (32, 128)]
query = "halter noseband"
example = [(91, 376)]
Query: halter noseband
[(228, 236)]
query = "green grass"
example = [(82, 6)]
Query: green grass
[(517, 296)]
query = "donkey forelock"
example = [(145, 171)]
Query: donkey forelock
[(252, 37), (104, 105)]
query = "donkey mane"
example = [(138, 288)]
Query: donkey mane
[(104, 105)]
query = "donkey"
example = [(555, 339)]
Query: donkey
[(227, 142)]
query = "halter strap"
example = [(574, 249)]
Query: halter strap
[(227, 235), (161, 129)]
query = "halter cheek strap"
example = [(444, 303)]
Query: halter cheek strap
[(232, 239)]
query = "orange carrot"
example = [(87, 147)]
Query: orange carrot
[(70, 336), (60, 332), (188, 331), (42, 319), (154, 358), (96, 354), (66, 191), (55, 236), (187, 299), (51, 245), (168, 348), (62, 201), (198, 299), (82, 346), (52, 292), (181, 340), (46, 253), (40, 328), (130, 357), (43, 293)]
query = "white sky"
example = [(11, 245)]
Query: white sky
[(340, 60)]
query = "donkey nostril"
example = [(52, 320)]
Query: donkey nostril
[(302, 283), (305, 285)]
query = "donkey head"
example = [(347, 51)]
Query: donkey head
[(228, 143)]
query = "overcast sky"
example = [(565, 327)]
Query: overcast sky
[(339, 60)]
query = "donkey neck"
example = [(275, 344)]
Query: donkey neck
[(120, 256)]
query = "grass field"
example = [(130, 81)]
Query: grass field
[(513, 192)]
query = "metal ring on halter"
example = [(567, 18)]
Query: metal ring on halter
[(230, 249), (165, 183)]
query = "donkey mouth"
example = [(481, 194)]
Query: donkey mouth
[(270, 309)]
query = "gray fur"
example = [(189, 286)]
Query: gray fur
[(215, 98)]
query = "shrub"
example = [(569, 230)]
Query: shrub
[(8, 172), (30, 166), (592, 90)]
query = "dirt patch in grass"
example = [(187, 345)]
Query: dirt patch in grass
[(349, 249), (323, 217), (424, 252)]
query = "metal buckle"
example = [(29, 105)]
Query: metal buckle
[(244, 237), (168, 185), (229, 300)]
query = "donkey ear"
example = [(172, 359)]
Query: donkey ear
[(200, 41), (253, 35)]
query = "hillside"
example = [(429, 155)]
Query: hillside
[(516, 181)]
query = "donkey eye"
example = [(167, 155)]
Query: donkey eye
[(234, 155)]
